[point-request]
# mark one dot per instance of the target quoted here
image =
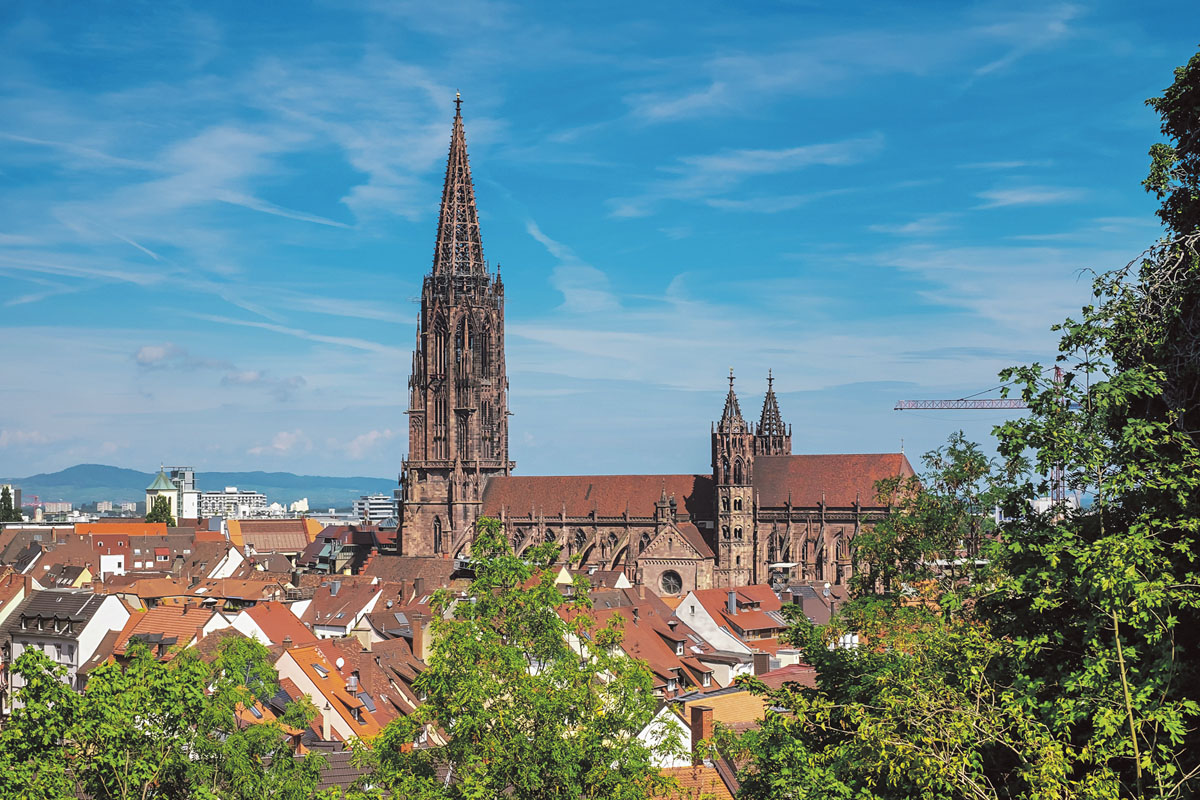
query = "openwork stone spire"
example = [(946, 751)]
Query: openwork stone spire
[(771, 423), (459, 249), (732, 415)]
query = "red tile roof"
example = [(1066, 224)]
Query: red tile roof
[(278, 622), (695, 783), (180, 623), (607, 495), (839, 479), (803, 674)]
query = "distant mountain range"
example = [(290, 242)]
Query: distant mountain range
[(88, 483)]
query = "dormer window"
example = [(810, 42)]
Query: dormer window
[(706, 679), (679, 648)]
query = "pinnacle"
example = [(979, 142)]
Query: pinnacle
[(771, 422), (459, 248), (733, 411)]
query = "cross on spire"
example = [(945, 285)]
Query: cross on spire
[(771, 422), (733, 411)]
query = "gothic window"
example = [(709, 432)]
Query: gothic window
[(737, 471), (550, 537), (724, 470), (725, 531), (737, 504), (487, 431), (580, 538), (439, 348), (464, 440), (737, 562), (645, 540), (459, 345), (724, 503), (437, 534), (737, 533), (485, 353), (671, 583)]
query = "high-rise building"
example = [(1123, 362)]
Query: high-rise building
[(376, 507), (13, 492)]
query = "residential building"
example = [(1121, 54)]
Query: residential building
[(56, 507), (273, 623), (104, 505), (68, 625), (376, 508), (232, 503)]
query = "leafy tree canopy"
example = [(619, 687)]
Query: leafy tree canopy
[(160, 511)]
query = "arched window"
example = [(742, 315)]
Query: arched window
[(737, 471), (737, 533), (439, 348), (437, 534), (550, 537), (464, 439), (724, 503), (724, 470), (460, 338), (645, 540), (580, 538), (737, 504), (725, 531)]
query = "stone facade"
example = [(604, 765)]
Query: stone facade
[(760, 513)]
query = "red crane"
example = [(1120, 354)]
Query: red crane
[(1058, 479)]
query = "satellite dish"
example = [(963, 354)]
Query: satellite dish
[(341, 662)]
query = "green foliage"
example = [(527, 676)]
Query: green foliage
[(7, 512), (533, 706), (152, 729), (1070, 667), (946, 514), (161, 511)]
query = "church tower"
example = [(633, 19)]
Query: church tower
[(772, 437), (458, 389), (733, 470)]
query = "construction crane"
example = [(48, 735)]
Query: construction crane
[(1058, 478)]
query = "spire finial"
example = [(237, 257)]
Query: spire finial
[(458, 103), (731, 379), (770, 379)]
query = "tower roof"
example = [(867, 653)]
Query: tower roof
[(771, 423), (732, 412), (459, 249), (161, 482)]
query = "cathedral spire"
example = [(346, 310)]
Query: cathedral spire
[(459, 249), (771, 423), (733, 412)]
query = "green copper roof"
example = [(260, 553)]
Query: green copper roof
[(160, 482)]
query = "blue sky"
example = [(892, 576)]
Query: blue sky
[(214, 218)]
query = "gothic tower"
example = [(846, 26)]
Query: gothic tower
[(733, 469), (772, 437), (458, 390)]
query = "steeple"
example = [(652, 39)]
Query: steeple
[(731, 417), (772, 438), (771, 423), (459, 248)]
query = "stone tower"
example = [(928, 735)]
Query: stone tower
[(772, 437), (733, 472), (458, 390)]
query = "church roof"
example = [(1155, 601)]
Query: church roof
[(161, 482), (607, 495), (459, 248), (838, 479)]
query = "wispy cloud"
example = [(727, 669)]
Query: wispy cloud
[(1029, 196), (283, 443), (927, 225), (709, 178), (583, 287), (300, 333), (365, 444)]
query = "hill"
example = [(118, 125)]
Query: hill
[(87, 483)]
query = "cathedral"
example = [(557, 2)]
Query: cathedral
[(759, 515)]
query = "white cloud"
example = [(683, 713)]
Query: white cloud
[(9, 438), (1029, 196), (921, 226), (284, 443), (366, 444), (584, 288)]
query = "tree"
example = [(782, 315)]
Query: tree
[(944, 514), (152, 729), (7, 512), (161, 511), (533, 707)]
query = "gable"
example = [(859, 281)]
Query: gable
[(671, 543)]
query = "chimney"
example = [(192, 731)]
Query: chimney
[(363, 634), (333, 588), (702, 728), (785, 597), (636, 614), (419, 589), (417, 622), (731, 603), (762, 663), (352, 683), (287, 642), (326, 736)]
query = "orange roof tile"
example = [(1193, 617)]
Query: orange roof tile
[(177, 625), (838, 480), (278, 622), (320, 670), (700, 782)]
